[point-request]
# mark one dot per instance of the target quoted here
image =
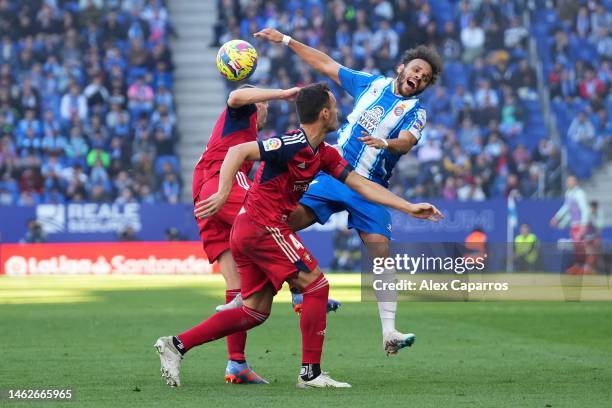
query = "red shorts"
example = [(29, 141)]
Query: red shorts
[(267, 254), (215, 231)]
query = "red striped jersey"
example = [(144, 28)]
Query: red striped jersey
[(233, 127)]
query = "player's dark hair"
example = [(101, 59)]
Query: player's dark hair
[(311, 100), (428, 54)]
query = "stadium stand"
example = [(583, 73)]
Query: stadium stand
[(86, 102), (574, 41), (486, 133)]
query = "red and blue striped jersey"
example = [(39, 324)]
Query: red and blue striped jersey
[(289, 165), (233, 127)]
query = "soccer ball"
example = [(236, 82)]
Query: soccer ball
[(236, 60)]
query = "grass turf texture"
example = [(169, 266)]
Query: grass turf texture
[(95, 335)]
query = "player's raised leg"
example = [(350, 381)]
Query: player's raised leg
[(172, 348), (393, 341)]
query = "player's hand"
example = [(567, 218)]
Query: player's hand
[(291, 93), (198, 209), (425, 211), (210, 206), (270, 34), (371, 141)]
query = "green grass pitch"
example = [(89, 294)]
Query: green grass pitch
[(95, 336)]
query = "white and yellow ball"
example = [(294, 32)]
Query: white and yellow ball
[(236, 60)]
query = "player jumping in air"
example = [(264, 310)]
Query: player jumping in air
[(386, 122), (246, 113), (266, 251)]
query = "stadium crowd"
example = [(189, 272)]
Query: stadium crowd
[(87, 109), (575, 44), (485, 133), (86, 102)]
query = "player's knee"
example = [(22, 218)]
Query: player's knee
[(377, 244), (378, 249)]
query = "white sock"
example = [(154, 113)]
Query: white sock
[(387, 302), (387, 310)]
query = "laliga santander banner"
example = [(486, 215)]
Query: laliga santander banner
[(127, 258)]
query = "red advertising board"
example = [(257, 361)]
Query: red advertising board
[(140, 258)]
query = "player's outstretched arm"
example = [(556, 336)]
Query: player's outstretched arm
[(245, 96), (236, 155), (378, 194), (401, 145), (318, 60)]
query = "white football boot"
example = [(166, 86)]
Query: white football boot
[(234, 304), (322, 381), (394, 341), (170, 360)]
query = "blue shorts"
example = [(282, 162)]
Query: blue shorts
[(327, 196)]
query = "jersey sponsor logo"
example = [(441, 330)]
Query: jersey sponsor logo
[(273, 143), (418, 123), (301, 185), (370, 119)]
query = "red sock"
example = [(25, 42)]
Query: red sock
[(235, 342), (313, 320), (222, 324)]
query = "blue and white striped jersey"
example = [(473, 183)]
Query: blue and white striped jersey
[(382, 114)]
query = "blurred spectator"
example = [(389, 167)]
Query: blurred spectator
[(524, 81), (515, 34), (385, 36), (591, 87), (473, 40), (511, 117), (526, 250), (347, 250), (73, 104), (35, 233), (128, 235), (581, 130), (476, 244), (173, 234)]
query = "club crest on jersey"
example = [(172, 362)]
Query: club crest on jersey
[(370, 119), (399, 110), (273, 143)]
